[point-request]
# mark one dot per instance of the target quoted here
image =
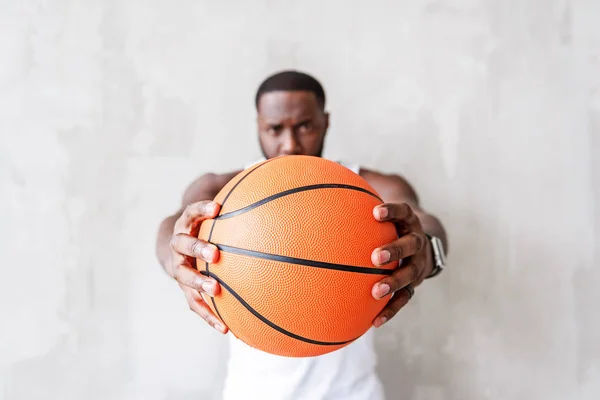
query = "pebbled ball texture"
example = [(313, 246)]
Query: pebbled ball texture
[(296, 255)]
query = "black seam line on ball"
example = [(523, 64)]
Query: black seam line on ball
[(271, 324), (215, 221), (292, 191), (301, 261)]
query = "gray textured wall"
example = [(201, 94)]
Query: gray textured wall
[(109, 108)]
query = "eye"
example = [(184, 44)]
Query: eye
[(305, 127), (273, 130)]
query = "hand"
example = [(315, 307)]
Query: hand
[(413, 249), (186, 248)]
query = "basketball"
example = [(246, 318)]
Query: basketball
[(295, 235)]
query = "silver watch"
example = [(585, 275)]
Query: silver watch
[(439, 255)]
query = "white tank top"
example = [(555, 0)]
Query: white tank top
[(345, 374)]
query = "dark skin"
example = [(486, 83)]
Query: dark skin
[(294, 122)]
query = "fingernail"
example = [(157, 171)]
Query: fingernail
[(382, 321), (220, 327), (211, 208), (207, 253), (208, 287), (384, 289), (384, 256), (383, 212)]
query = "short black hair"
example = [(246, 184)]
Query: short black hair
[(291, 81)]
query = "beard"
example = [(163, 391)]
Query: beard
[(318, 153)]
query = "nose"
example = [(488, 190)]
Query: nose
[(290, 144)]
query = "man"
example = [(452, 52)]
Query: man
[(292, 120)]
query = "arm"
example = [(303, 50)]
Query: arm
[(412, 247), (395, 189), (204, 188), (178, 246)]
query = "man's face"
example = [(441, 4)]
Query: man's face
[(291, 123)]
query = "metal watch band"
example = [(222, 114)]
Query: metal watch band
[(438, 256)]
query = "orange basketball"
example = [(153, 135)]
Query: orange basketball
[(295, 234)]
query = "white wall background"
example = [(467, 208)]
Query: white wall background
[(109, 108)]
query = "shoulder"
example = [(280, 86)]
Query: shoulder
[(391, 187), (206, 186)]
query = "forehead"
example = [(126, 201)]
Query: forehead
[(284, 104)]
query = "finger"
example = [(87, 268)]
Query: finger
[(199, 306), (195, 213), (403, 276), (196, 248), (406, 246), (188, 276), (396, 212), (399, 300)]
